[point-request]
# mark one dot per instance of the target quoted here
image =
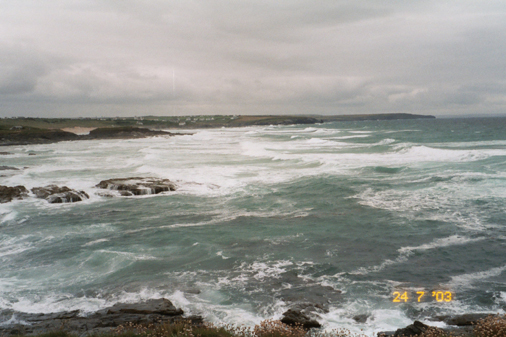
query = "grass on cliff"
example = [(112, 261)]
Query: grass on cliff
[(492, 326)]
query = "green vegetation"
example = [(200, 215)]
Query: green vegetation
[(492, 326)]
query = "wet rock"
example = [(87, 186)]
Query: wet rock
[(5, 153), (461, 320), (360, 318), (103, 321), (8, 194), (415, 329), (137, 185), (160, 306), (57, 195), (294, 318), (8, 168), (386, 333)]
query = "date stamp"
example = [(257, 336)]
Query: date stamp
[(423, 296)]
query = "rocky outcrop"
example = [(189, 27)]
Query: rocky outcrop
[(461, 320), (458, 325), (160, 306), (297, 318), (3, 168), (360, 318), (137, 186), (415, 329), (123, 133), (8, 194), (103, 321), (57, 195), (28, 135)]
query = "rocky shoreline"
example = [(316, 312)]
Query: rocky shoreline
[(29, 136), (160, 311)]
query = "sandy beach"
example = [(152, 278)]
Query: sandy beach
[(79, 130)]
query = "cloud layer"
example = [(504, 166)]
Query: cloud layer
[(98, 58)]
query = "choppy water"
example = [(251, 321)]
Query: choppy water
[(265, 217)]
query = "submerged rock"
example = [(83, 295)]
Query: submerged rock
[(2, 168), (361, 318), (57, 195), (137, 186), (8, 193), (295, 317)]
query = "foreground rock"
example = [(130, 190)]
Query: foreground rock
[(57, 195), (137, 186), (459, 325), (297, 318), (461, 320), (103, 321), (8, 194), (415, 329)]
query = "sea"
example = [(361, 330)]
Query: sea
[(395, 220)]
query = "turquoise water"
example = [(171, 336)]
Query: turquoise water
[(342, 214)]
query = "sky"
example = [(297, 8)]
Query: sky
[(86, 58)]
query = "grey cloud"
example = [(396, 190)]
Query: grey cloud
[(252, 56)]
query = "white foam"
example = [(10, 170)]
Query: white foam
[(380, 320), (386, 141), (439, 243), (94, 242), (467, 280), (8, 216), (405, 252)]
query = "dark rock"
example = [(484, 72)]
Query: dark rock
[(123, 133), (7, 193), (32, 154), (5, 153), (137, 185), (8, 168), (103, 321), (386, 333), (160, 306), (415, 329), (57, 195), (461, 320), (294, 318), (360, 318), (28, 135), (309, 308)]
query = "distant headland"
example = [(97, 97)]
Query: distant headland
[(27, 130)]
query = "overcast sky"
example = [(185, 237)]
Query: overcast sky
[(162, 57)]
